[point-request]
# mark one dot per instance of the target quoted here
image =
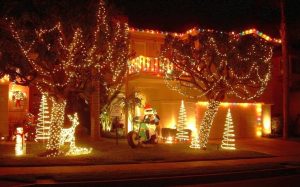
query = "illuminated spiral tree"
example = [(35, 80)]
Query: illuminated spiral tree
[(64, 62), (182, 135), (228, 135), (43, 125), (215, 65)]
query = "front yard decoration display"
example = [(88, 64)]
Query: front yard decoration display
[(20, 147), (228, 135), (43, 125), (146, 131), (215, 66), (182, 135), (68, 135)]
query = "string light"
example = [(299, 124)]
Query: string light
[(181, 134), (228, 135), (43, 125), (201, 30), (106, 55), (207, 121), (68, 135), (214, 65), (259, 128), (195, 144), (57, 120)]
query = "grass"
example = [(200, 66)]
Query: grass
[(106, 151)]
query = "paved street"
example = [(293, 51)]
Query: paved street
[(286, 160)]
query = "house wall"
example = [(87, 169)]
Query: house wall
[(167, 102), (3, 110)]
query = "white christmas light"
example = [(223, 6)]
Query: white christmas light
[(181, 134), (43, 125), (228, 141)]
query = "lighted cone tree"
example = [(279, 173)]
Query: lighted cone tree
[(181, 134), (228, 141), (215, 65), (65, 62), (43, 125), (195, 143)]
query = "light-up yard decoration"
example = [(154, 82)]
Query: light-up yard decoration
[(195, 144), (20, 147), (216, 65), (228, 141), (67, 135), (181, 134), (43, 125)]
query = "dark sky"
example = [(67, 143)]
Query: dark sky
[(176, 15), (227, 15)]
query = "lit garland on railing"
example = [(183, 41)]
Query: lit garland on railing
[(228, 135)]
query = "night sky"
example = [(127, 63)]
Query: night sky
[(178, 15)]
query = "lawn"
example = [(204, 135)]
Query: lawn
[(106, 151)]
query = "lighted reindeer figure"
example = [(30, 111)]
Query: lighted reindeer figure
[(68, 135)]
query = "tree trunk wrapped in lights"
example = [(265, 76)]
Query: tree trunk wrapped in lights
[(216, 65), (57, 122), (207, 122), (61, 63)]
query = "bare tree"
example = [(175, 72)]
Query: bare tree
[(215, 65)]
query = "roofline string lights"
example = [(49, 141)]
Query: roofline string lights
[(190, 31)]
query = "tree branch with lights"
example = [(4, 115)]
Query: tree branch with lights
[(63, 62), (216, 65)]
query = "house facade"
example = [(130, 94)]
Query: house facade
[(251, 119)]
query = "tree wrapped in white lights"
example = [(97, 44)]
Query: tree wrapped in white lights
[(64, 63), (228, 141), (215, 65), (181, 134), (43, 125)]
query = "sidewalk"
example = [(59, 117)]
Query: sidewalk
[(287, 154)]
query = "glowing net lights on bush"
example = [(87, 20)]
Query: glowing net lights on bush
[(68, 135), (228, 135), (20, 147), (43, 125), (181, 134)]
